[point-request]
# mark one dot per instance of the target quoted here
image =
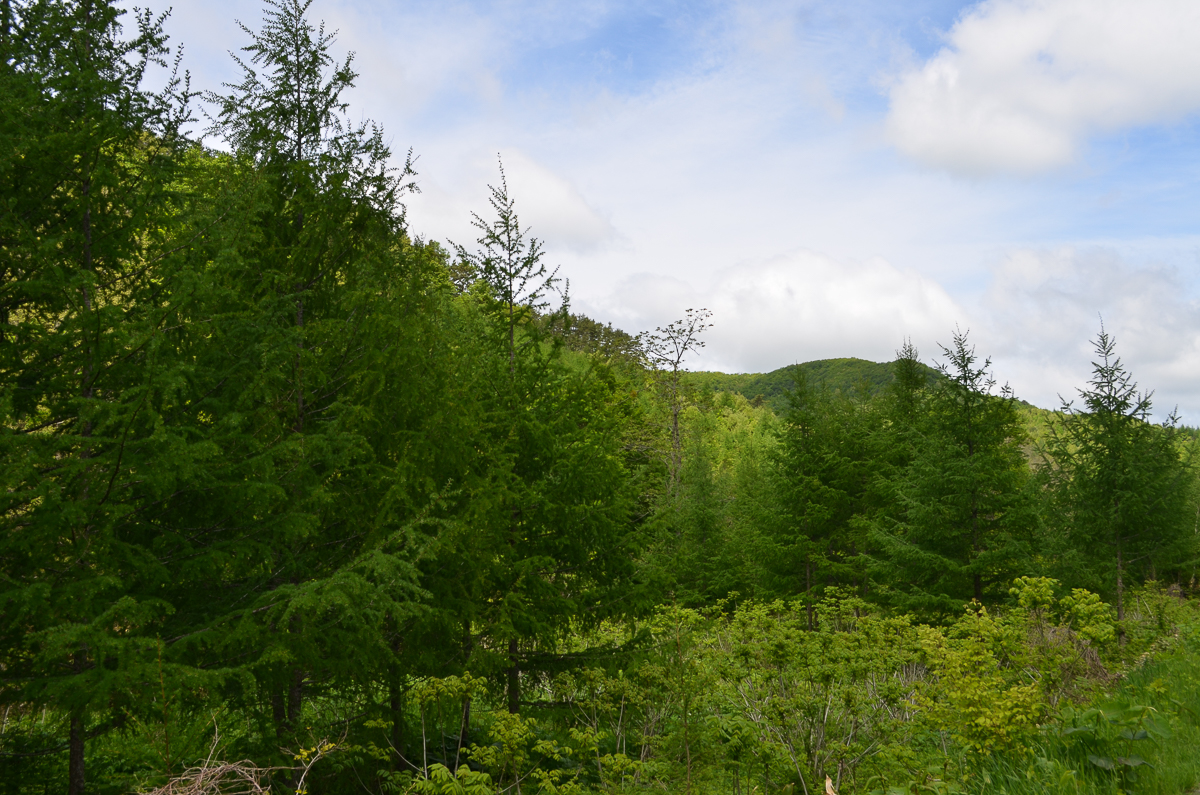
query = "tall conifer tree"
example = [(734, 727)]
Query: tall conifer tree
[(1119, 483), (87, 158), (316, 575), (549, 512), (965, 511), (824, 464)]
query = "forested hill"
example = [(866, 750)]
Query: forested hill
[(836, 375)]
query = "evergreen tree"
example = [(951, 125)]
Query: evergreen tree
[(549, 512), (824, 468), (893, 441), (1119, 483), (966, 511), (307, 557), (719, 534), (905, 392), (87, 163), (509, 265)]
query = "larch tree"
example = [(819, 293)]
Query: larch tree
[(965, 512), (1119, 482), (547, 524), (316, 577), (88, 159)]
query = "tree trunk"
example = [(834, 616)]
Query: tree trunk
[(512, 334), (286, 706), (295, 698), (468, 647), (464, 729), (76, 774), (1120, 597), (808, 605), (676, 441), (396, 707), (397, 696), (514, 679), (278, 716), (76, 778), (299, 426)]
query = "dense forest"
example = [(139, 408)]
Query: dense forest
[(296, 499)]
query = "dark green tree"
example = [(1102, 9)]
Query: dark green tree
[(88, 158), (825, 469), (965, 510), (893, 441), (306, 559), (1119, 483), (549, 510), (906, 391)]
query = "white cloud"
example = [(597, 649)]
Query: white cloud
[(1035, 320), (546, 202), (1021, 83), (1043, 308), (798, 307), (554, 207)]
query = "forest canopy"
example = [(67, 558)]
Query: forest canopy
[(295, 497)]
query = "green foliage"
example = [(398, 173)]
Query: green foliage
[(581, 333), (713, 540), (824, 468), (89, 165), (1138, 739), (1097, 732), (463, 781), (823, 700), (547, 533), (975, 696)]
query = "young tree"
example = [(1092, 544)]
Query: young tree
[(1119, 481), (720, 525), (904, 394), (893, 441), (509, 262), (666, 349), (549, 502), (966, 510)]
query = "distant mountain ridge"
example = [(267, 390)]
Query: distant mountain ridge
[(839, 375)]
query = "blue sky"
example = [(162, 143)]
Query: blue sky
[(828, 177)]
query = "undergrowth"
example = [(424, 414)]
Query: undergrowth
[(1142, 738)]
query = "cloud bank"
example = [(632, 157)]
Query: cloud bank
[(1044, 307), (1020, 84), (797, 307)]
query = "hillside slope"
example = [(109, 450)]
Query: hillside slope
[(833, 374)]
